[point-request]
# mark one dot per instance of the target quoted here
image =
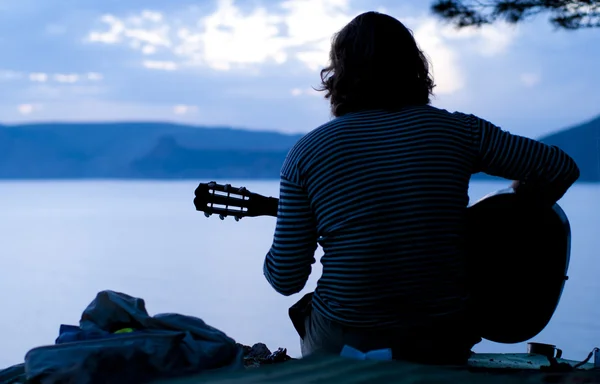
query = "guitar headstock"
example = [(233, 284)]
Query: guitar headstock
[(227, 200)]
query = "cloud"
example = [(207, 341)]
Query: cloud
[(184, 109), (231, 38), (487, 41), (444, 60), (294, 31), (148, 49), (43, 77), (448, 48), (38, 77), (143, 31), (53, 86), (94, 76), (162, 65), (66, 78), (27, 109), (530, 79), (96, 110)]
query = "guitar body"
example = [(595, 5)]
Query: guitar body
[(518, 256)]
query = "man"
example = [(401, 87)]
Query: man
[(383, 188)]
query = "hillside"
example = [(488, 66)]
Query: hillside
[(172, 151), (582, 142), (139, 150)]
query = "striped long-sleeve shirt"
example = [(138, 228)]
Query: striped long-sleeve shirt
[(385, 195)]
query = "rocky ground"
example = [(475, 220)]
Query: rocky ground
[(259, 354)]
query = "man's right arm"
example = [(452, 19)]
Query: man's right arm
[(538, 169)]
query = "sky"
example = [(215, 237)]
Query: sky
[(252, 64)]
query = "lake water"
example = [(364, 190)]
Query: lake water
[(62, 242)]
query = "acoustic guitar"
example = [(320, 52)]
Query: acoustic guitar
[(518, 255)]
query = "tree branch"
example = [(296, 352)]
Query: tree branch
[(563, 14)]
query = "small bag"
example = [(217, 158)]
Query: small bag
[(299, 312)]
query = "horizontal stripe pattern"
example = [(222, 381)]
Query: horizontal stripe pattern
[(384, 194)]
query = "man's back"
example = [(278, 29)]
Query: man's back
[(389, 192)]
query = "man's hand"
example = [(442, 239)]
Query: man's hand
[(534, 193)]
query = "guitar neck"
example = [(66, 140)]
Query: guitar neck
[(264, 206)]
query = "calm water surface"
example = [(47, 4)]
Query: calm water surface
[(62, 242)]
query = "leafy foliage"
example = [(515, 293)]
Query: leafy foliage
[(564, 14)]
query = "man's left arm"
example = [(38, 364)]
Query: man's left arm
[(288, 263)]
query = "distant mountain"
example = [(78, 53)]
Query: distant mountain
[(169, 159), (582, 142), (173, 151), (139, 150)]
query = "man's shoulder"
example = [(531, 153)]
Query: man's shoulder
[(317, 138), (318, 141), (463, 121), (446, 114), (327, 134)]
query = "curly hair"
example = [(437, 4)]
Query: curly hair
[(375, 63)]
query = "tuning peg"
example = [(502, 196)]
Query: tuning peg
[(226, 187), (221, 217), (207, 214), (237, 218), (242, 189)]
